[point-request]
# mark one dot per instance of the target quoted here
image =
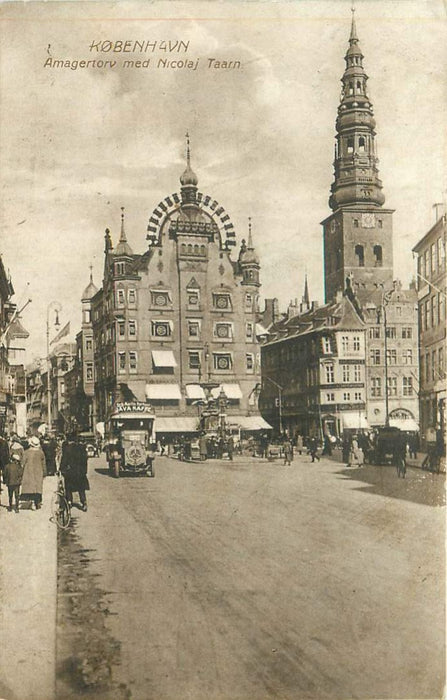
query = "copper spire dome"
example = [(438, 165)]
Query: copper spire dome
[(123, 248)]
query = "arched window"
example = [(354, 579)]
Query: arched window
[(362, 144), (360, 253), (378, 255), (189, 249), (359, 86), (351, 89), (202, 250), (350, 144), (183, 248), (196, 249)]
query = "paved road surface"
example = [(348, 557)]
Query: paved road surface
[(251, 580)]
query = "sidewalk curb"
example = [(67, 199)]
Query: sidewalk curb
[(28, 587)]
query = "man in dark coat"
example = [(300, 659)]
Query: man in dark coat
[(74, 468)]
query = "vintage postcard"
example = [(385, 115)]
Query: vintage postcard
[(222, 349)]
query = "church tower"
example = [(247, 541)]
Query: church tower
[(358, 242)]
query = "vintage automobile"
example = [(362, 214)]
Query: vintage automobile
[(388, 447), (131, 442)]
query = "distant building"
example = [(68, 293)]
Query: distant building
[(36, 395), (313, 371), (431, 286), (180, 317)]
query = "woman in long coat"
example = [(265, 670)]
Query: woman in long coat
[(33, 472), (74, 468)]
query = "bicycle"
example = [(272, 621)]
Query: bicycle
[(59, 504)]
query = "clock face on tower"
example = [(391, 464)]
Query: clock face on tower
[(368, 220)]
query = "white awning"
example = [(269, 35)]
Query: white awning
[(169, 392), (176, 424), (249, 422), (163, 358), (195, 391), (232, 391), (354, 420), (405, 424)]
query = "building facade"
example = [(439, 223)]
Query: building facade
[(431, 285), (313, 371), (179, 320)]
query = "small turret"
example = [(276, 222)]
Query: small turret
[(123, 248), (249, 260), (90, 289), (189, 179)]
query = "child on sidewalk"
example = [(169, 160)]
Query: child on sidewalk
[(12, 477)]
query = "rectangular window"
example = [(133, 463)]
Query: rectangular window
[(121, 329), (223, 331), (357, 373), (380, 223), (374, 332), (329, 374), (392, 386), (427, 314), (433, 365), (391, 356), (89, 372), (89, 344), (249, 362), (120, 297), (441, 362), (356, 343), (374, 355), (249, 331), (132, 328), (407, 332), (222, 301), (248, 302), (194, 359), (356, 223), (433, 257), (121, 361), (327, 349), (427, 367), (391, 332), (407, 356), (440, 257), (407, 386), (330, 397), (358, 396), (222, 361), (132, 297), (133, 362), (346, 396), (193, 298), (345, 343), (194, 329), (162, 329), (376, 386), (346, 373), (433, 318), (426, 264)]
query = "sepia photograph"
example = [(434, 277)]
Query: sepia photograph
[(223, 349)]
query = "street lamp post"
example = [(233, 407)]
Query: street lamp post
[(57, 309), (280, 390)]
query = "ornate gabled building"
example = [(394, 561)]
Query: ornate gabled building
[(313, 371), (180, 315), (358, 254)]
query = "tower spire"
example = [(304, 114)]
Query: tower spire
[(123, 248), (189, 179), (306, 299), (123, 238), (250, 236), (356, 175)]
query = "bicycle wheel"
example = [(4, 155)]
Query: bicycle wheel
[(61, 511)]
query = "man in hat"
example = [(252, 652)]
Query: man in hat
[(12, 476), (74, 468)]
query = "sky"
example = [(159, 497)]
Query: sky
[(77, 145)]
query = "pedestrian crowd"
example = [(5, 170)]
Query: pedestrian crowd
[(25, 462)]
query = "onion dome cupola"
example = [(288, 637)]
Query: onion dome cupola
[(189, 179), (123, 248), (249, 260), (356, 175)]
